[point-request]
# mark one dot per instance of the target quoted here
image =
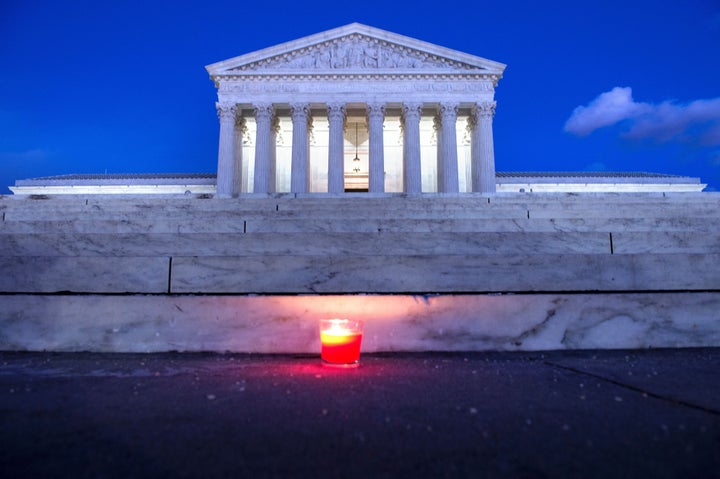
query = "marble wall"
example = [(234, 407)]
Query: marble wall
[(288, 324)]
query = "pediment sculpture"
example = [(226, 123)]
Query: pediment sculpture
[(356, 52)]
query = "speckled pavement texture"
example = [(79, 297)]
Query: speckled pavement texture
[(650, 413)]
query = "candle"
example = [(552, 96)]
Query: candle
[(340, 339)]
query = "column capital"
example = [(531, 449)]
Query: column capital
[(412, 110), (263, 111), (448, 110), (484, 109), (336, 111), (299, 111), (226, 110), (376, 111)]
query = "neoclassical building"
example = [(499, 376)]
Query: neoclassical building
[(356, 108)]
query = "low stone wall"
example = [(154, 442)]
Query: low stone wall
[(288, 324), (462, 272)]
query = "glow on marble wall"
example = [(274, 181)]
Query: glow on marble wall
[(396, 322), (289, 324), (356, 142)]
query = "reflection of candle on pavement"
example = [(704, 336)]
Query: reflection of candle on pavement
[(341, 340)]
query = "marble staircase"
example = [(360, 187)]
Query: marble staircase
[(431, 272)]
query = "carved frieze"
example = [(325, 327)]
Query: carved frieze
[(309, 85), (356, 52)]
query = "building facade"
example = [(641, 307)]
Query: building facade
[(356, 109), (353, 109)]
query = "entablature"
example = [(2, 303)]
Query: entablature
[(352, 89)]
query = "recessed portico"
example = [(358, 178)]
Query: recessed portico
[(295, 116)]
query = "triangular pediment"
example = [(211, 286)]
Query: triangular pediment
[(355, 48)]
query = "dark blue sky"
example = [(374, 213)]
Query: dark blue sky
[(119, 87)]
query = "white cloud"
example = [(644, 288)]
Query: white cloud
[(607, 109), (696, 122)]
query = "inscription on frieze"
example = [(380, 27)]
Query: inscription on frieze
[(334, 86)]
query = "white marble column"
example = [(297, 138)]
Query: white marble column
[(482, 152), (336, 156), (300, 113), (239, 133), (412, 174), (226, 114), (376, 118), (439, 170), (448, 149), (274, 129), (263, 119)]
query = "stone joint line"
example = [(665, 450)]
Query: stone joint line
[(630, 387)]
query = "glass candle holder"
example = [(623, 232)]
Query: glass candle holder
[(340, 340)]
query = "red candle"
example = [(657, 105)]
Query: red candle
[(340, 340)]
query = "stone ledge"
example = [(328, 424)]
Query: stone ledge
[(85, 274), (444, 273), (288, 324)]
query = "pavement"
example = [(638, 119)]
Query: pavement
[(578, 414)]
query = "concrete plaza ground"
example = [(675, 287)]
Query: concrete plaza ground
[(584, 414)]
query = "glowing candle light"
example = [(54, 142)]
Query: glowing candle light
[(340, 339)]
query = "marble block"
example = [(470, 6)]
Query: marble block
[(668, 242), (444, 273), (302, 243), (471, 225), (87, 274), (199, 222), (288, 324)]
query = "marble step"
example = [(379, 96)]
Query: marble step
[(444, 273), (304, 244), (180, 204), (288, 324), (416, 274), (627, 210), (699, 225), (605, 198), (87, 274), (326, 211), (252, 224), (361, 214), (633, 242)]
